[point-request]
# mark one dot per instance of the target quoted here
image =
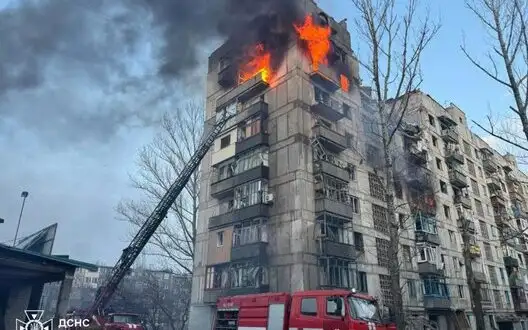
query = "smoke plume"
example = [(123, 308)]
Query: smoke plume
[(80, 70)]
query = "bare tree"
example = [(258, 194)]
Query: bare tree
[(395, 44), (158, 165), (506, 22)]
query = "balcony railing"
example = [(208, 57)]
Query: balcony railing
[(463, 200), (327, 106), (334, 167), (337, 249), (489, 164), (454, 156), (332, 140)]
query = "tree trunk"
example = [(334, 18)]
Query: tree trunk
[(475, 294), (394, 237)]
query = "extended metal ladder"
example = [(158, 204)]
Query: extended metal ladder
[(146, 231)]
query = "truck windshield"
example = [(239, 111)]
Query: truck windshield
[(364, 309), (125, 318)]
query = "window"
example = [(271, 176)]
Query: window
[(507, 296), (358, 241), (487, 252), (250, 128), (382, 248), (309, 306), (225, 142), (335, 306), (346, 111), (398, 189), (386, 293), (407, 257), (336, 272), (433, 287), (447, 212), (456, 264), (426, 253), (335, 228), (443, 187), (439, 164), (484, 190), (220, 239), (249, 160), (503, 278), (355, 204), (334, 189), (435, 141), (431, 120), (476, 153), (351, 172), (250, 194), (461, 291), (377, 189), (374, 157), (483, 229), (412, 288), (379, 217), (471, 167), (493, 275), (481, 174), (478, 206), (249, 232), (498, 298), (452, 238), (475, 187), (467, 149), (362, 285), (350, 140)]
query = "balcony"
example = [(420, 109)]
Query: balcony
[(454, 156), (466, 224), (487, 304), (511, 262), (260, 139), (521, 307), (480, 277), (457, 178), (250, 251), (336, 249), (227, 77), (223, 188), (326, 77), (332, 140), (494, 183), (244, 91), (428, 268), (253, 211), (474, 251), (450, 135), (465, 201), (489, 165), (418, 156), (332, 169), (516, 282), (327, 107), (497, 197), (515, 192), (436, 302), (212, 295), (333, 206), (422, 236)]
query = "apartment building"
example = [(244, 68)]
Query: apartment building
[(292, 196)]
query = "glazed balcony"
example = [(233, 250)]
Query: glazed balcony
[(237, 215), (333, 206), (337, 249), (260, 139), (457, 178), (450, 135), (333, 167), (422, 236), (463, 200), (489, 164), (511, 262), (497, 197), (327, 106), (454, 156), (333, 141)]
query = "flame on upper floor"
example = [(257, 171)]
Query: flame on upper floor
[(317, 40), (259, 63), (345, 83)]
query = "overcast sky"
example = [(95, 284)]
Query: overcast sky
[(73, 118)]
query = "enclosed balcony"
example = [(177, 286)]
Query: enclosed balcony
[(244, 91), (326, 77), (227, 76), (336, 249), (334, 167), (334, 206), (249, 212), (454, 156), (418, 155), (497, 196), (327, 106), (223, 188), (333, 141), (480, 276), (463, 200), (429, 268), (489, 164), (457, 178), (259, 139), (435, 294), (426, 229), (255, 250), (450, 135), (466, 225)]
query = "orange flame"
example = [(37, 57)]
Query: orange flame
[(317, 39), (345, 84), (260, 63)]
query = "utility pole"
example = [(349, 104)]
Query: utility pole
[(24, 195)]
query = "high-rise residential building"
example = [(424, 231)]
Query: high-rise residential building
[(292, 194)]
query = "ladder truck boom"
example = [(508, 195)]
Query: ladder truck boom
[(146, 231)]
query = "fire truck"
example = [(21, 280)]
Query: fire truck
[(313, 310)]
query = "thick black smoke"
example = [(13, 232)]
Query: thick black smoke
[(80, 68)]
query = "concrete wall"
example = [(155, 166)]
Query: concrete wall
[(17, 303)]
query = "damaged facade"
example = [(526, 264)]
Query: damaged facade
[(291, 198)]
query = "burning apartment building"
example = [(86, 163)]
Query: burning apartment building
[(291, 196)]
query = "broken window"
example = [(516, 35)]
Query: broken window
[(335, 272), (333, 188), (250, 193), (425, 224), (250, 128), (426, 253), (249, 232), (335, 228)]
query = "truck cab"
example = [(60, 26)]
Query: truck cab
[(121, 321), (317, 309)]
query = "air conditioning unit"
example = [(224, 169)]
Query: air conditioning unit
[(269, 198)]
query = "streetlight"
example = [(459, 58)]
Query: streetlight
[(24, 195)]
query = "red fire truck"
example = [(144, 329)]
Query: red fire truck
[(313, 310)]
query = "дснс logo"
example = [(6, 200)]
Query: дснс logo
[(34, 322)]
